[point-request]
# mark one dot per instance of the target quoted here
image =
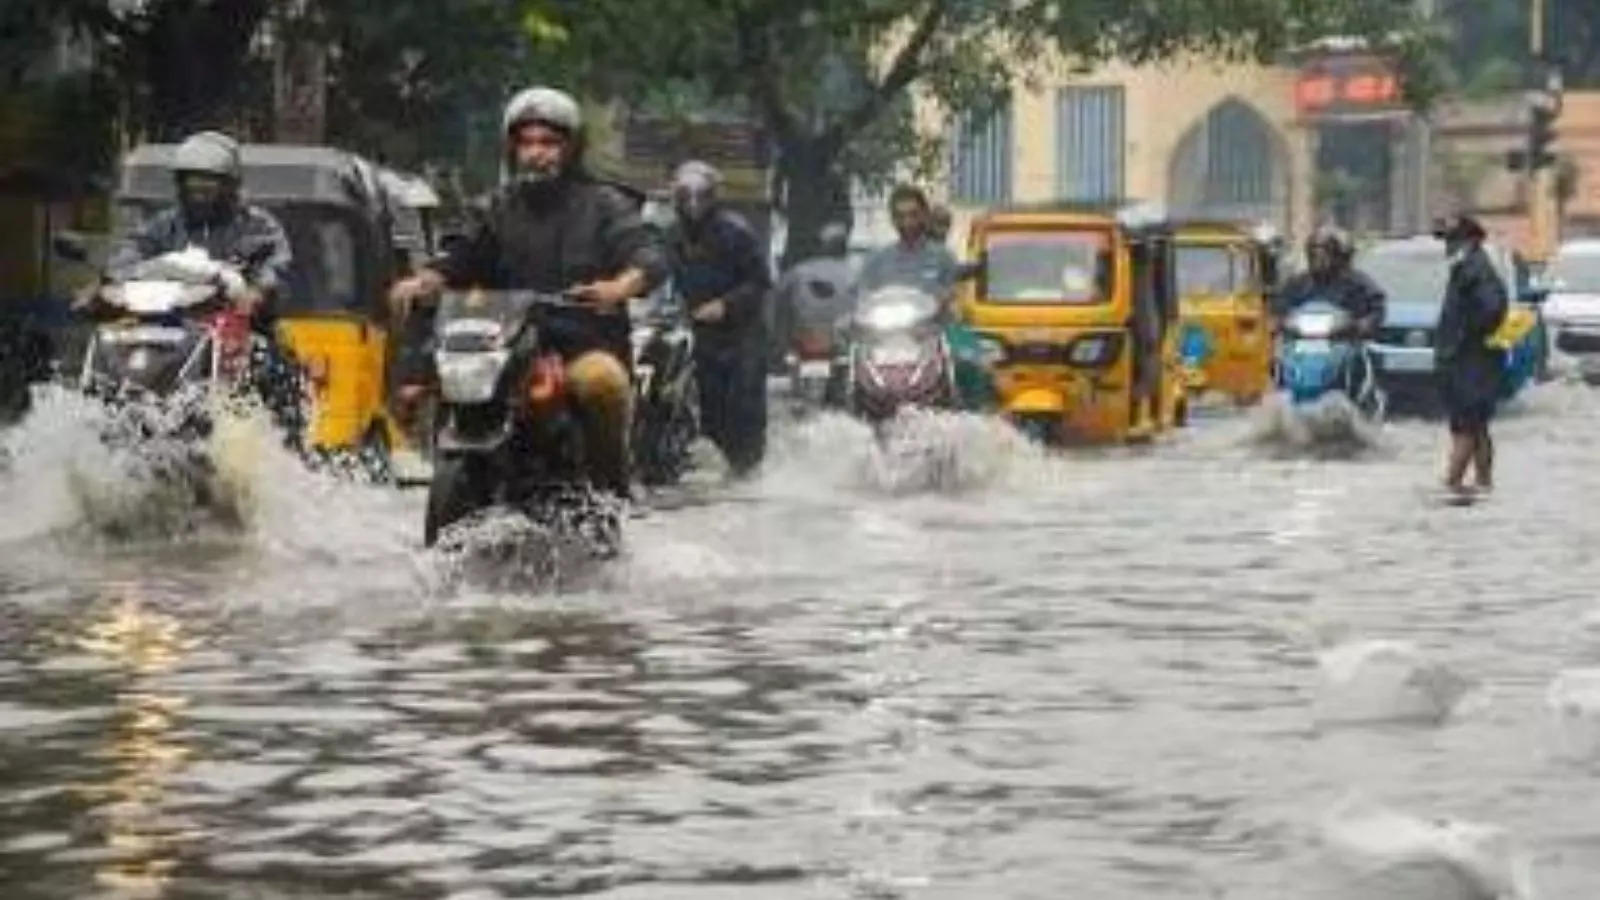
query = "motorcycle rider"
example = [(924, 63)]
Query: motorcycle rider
[(553, 227), (916, 260), (1329, 277), (720, 271), (211, 214)]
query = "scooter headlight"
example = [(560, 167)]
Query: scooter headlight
[(1314, 324), (470, 377), (892, 317)]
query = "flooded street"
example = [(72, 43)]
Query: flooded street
[(965, 670)]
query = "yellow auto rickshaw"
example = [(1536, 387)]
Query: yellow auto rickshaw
[(1225, 274), (1077, 315), (332, 316)]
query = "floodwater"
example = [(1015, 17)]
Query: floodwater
[(962, 668)]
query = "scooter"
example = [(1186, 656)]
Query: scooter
[(168, 337), (899, 356), (1320, 354)]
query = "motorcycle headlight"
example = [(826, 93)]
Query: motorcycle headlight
[(466, 336), (470, 377)]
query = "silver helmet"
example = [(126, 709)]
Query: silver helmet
[(210, 153), (544, 105), (695, 186)]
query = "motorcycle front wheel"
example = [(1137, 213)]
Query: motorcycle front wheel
[(460, 487)]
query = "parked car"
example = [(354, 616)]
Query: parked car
[(1573, 307), (1413, 273)]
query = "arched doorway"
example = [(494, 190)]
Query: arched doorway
[(1232, 164)]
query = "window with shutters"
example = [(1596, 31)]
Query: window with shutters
[(980, 158), (1090, 143)]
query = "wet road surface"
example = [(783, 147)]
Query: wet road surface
[(962, 669)]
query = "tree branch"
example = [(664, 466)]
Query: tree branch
[(906, 67)]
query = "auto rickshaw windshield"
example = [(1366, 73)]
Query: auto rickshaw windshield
[(327, 275), (1207, 269), (1043, 267)]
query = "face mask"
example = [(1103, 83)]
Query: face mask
[(692, 204), (205, 201)]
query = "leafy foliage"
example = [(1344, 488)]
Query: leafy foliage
[(1488, 49), (832, 80)]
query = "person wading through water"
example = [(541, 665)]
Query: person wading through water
[(1470, 369)]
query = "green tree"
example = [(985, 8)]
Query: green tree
[(776, 57), (1489, 46)]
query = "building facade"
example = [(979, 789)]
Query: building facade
[(1202, 138)]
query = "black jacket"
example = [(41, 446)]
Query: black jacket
[(1475, 304), (721, 260), (1351, 291), (553, 238), (577, 230)]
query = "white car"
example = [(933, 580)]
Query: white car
[(1572, 308)]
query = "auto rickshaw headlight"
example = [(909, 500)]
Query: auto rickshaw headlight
[(991, 351), (1093, 351)]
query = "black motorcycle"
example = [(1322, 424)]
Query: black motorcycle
[(666, 408), (508, 432)]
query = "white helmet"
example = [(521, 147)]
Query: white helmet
[(210, 152), (545, 105)]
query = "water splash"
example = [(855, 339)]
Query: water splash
[(502, 550), (1329, 428), (920, 451)]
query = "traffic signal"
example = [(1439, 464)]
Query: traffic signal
[(1542, 137), (1540, 151)]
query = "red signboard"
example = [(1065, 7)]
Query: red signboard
[(1347, 84)]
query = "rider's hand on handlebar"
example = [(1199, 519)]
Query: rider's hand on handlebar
[(713, 311), (607, 295), (407, 292), (249, 302)]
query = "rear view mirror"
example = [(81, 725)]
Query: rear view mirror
[(968, 271), (70, 247)]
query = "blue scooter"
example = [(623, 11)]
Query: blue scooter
[(1320, 353)]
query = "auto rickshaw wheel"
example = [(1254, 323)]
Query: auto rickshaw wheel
[(373, 455), (1044, 430)]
